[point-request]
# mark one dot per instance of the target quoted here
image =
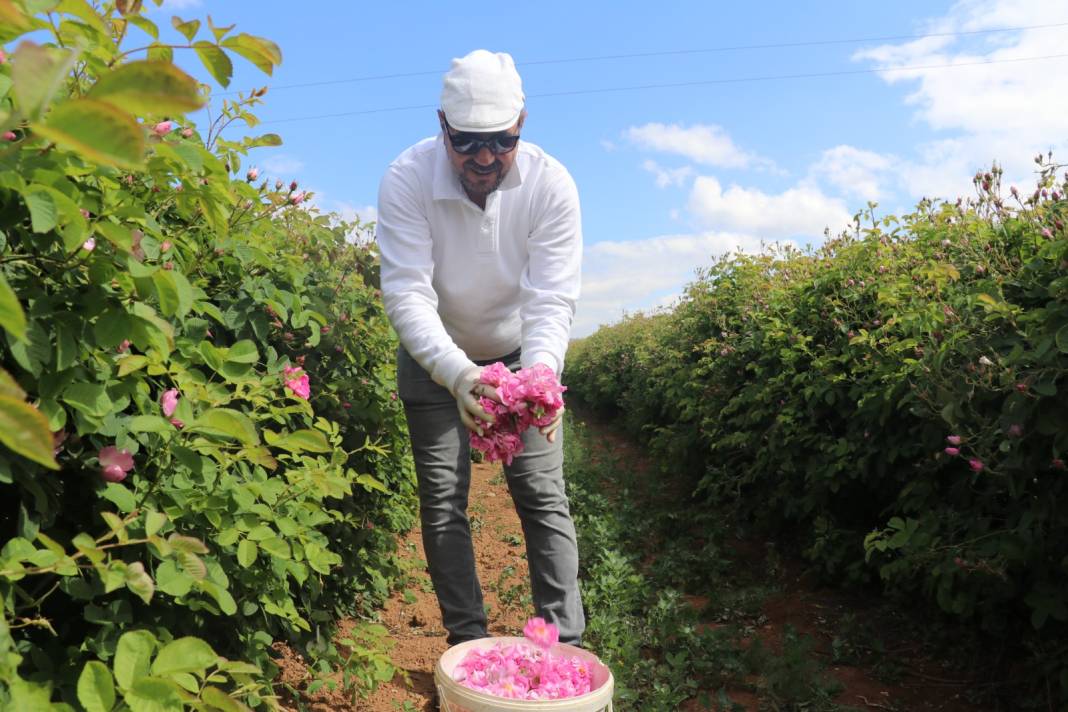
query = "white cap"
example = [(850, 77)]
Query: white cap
[(482, 92)]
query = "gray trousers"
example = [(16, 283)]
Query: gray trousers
[(536, 482)]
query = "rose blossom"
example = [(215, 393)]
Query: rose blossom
[(115, 463)]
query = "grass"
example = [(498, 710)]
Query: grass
[(643, 567)]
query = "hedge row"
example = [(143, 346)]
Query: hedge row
[(893, 399), (200, 448)]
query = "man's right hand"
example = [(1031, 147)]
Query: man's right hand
[(466, 390)]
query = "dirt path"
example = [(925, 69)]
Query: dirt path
[(412, 615), (414, 623)]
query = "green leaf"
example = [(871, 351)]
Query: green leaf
[(276, 546), (96, 689), (221, 701), (129, 364), (187, 654), (115, 234), (44, 214), (222, 597), (149, 424), (167, 291), (192, 565), (187, 543), (160, 52), (243, 351), (228, 423), (112, 327), (13, 22), (12, 317), (24, 430), (371, 484), (98, 131), (247, 552), (120, 497), (171, 580), (1062, 339), (145, 25), (188, 29), (215, 61), (148, 87), (154, 521), (303, 440), (151, 694), (213, 355), (264, 140), (39, 74), (138, 581), (132, 656), (261, 52), (90, 398)]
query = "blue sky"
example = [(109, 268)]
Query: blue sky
[(670, 177)]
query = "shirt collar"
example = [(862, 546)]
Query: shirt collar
[(447, 183)]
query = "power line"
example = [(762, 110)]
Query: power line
[(666, 53), (706, 82)]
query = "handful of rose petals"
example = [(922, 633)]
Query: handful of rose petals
[(525, 672), (530, 396)]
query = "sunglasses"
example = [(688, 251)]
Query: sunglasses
[(468, 145)]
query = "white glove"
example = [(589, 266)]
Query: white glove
[(549, 431), (466, 390)]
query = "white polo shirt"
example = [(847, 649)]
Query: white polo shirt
[(461, 283)]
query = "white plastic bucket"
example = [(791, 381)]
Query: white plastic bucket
[(454, 697)]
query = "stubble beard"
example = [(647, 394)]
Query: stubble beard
[(480, 190)]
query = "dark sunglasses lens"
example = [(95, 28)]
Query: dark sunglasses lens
[(463, 144), (468, 146), (503, 144)]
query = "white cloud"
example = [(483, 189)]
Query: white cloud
[(174, 5), (801, 210), (1006, 112), (641, 275), (667, 176), (855, 172), (281, 165), (702, 143)]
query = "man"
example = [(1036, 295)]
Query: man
[(481, 245)]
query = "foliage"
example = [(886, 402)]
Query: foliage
[(640, 559), (164, 479), (893, 401)]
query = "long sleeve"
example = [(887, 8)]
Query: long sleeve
[(406, 248), (550, 284)]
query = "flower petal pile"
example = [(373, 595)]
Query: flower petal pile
[(525, 672), (529, 397)]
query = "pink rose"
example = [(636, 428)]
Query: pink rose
[(163, 128), (542, 634), (976, 464), (115, 463), (253, 174), (953, 439), (300, 384), (169, 402)]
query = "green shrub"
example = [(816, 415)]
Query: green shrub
[(138, 259), (814, 392)]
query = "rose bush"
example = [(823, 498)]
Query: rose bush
[(893, 400), (200, 454)]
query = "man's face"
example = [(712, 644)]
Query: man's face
[(480, 173)]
